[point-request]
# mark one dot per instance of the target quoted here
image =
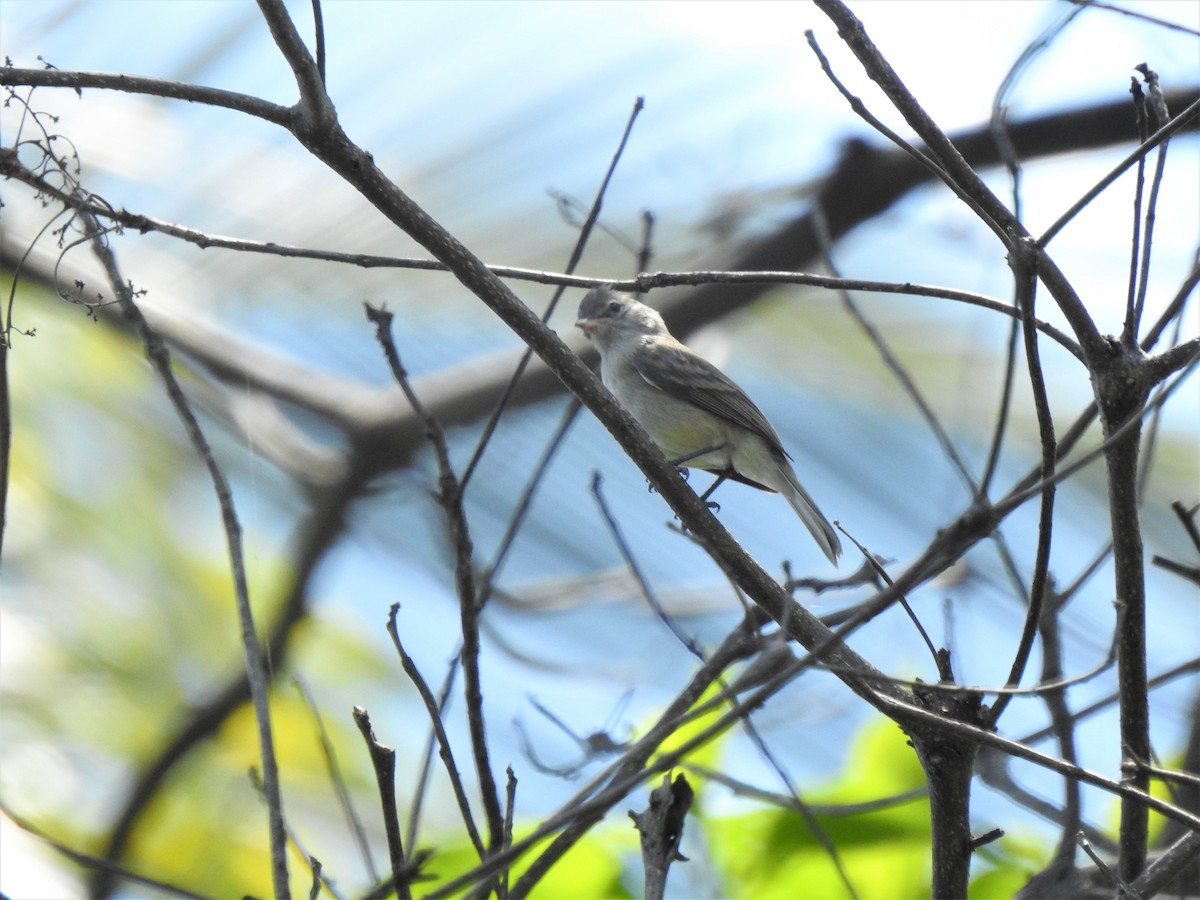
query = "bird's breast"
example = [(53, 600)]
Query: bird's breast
[(678, 427)]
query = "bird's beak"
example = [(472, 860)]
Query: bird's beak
[(587, 325)]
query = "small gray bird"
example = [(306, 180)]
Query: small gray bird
[(692, 410)]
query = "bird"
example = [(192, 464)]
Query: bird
[(692, 410)]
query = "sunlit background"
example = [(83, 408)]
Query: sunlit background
[(116, 605)]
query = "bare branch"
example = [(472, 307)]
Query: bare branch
[(151, 87), (256, 669), (661, 828), (434, 709), (383, 761), (450, 498)]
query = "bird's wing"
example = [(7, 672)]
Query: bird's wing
[(683, 374)]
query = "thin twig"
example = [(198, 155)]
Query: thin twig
[(1025, 490), (1123, 889), (949, 688), (787, 801), (1135, 14), (994, 771), (1132, 311), (911, 389), (881, 573), (510, 806), (1187, 518), (819, 832), (450, 498), (150, 87), (5, 433), (1143, 280), (635, 570), (72, 195), (434, 709), (1021, 259), (383, 761), (1168, 776)]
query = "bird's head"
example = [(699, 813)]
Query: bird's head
[(605, 315)]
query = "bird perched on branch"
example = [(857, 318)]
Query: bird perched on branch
[(692, 410)]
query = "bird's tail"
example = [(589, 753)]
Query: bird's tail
[(816, 523)]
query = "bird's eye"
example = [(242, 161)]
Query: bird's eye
[(614, 307)]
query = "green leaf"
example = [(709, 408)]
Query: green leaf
[(884, 851)]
